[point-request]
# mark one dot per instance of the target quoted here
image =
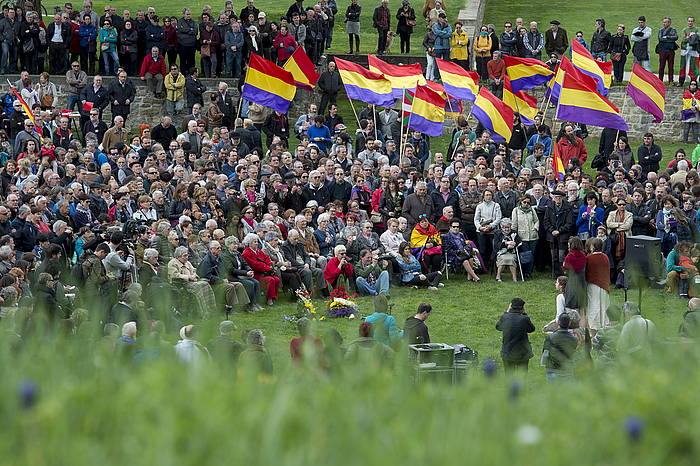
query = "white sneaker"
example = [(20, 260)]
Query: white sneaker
[(441, 285), (432, 288)]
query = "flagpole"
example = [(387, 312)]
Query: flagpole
[(353, 111), (454, 151), (240, 100), (374, 112), (403, 96)]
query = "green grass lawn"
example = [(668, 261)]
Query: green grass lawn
[(575, 16)]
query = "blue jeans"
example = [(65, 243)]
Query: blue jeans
[(381, 285), (537, 56), (597, 55), (645, 64), (8, 61), (73, 100), (233, 64), (111, 62)]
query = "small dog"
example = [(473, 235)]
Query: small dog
[(389, 40)]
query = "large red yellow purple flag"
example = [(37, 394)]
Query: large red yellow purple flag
[(580, 102), (269, 85), (583, 60), (27, 110), (427, 112), (458, 82), (565, 66), (526, 73), (558, 165), (365, 85), (401, 76), (494, 115), (647, 91), (453, 107), (520, 102), (304, 72), (691, 102)]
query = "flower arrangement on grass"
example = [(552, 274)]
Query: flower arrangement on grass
[(340, 304), (305, 308)]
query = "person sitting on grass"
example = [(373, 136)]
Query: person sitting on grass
[(338, 269), (385, 328), (558, 350), (305, 345), (367, 349), (372, 276), (411, 274)]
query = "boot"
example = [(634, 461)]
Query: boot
[(357, 44), (350, 42), (683, 288)]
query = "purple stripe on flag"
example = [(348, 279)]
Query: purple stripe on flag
[(645, 103), (601, 84), (483, 118), (265, 98), (529, 82), (368, 96), (687, 114), (425, 126), (461, 93), (591, 117)]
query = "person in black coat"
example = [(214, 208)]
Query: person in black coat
[(58, 51), (515, 324), (607, 141), (45, 299), (121, 94), (276, 124), (329, 83), (194, 89), (649, 155), (236, 269), (558, 223), (164, 132), (415, 330), (96, 94)]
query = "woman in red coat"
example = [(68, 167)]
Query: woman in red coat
[(597, 285), (262, 267), (338, 266)]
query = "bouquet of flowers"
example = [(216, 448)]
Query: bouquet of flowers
[(305, 307), (340, 304)]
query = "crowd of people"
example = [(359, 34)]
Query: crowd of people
[(200, 209)]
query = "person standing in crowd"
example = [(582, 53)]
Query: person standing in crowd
[(497, 72), (600, 42), (459, 47), (108, 48), (649, 155), (122, 93), (186, 39), (329, 84), (691, 116), (174, 84), (556, 39), (666, 48), (443, 34), (59, 36), (508, 40), (415, 331), (533, 42), (381, 21), (619, 48), (641, 49), (9, 36), (515, 324), (352, 25), (76, 79), (690, 52), (406, 17), (233, 41), (431, 72), (482, 49)]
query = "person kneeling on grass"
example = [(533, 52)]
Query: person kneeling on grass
[(558, 350), (372, 276), (338, 269), (411, 274)]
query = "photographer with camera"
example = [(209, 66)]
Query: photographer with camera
[(372, 276)]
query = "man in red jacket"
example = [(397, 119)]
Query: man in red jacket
[(570, 147), (153, 72)]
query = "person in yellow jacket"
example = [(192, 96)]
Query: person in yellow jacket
[(459, 43), (482, 51), (174, 84)]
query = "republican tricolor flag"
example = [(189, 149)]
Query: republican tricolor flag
[(494, 115), (304, 72), (427, 112), (647, 91)]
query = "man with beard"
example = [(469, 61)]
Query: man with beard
[(418, 203), (558, 223), (570, 146)]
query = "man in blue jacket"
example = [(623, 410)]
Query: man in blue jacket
[(319, 133), (443, 34)]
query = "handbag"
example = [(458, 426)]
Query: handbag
[(47, 100), (526, 257), (376, 217), (411, 22), (206, 50), (104, 46)]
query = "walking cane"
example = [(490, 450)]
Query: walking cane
[(520, 266)]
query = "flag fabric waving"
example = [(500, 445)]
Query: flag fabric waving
[(565, 66), (401, 76), (27, 110), (365, 85), (406, 105), (269, 85), (427, 112), (304, 72), (458, 82), (520, 102), (647, 91), (583, 60), (526, 73), (691, 105), (453, 107), (496, 116), (580, 102), (558, 165)]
